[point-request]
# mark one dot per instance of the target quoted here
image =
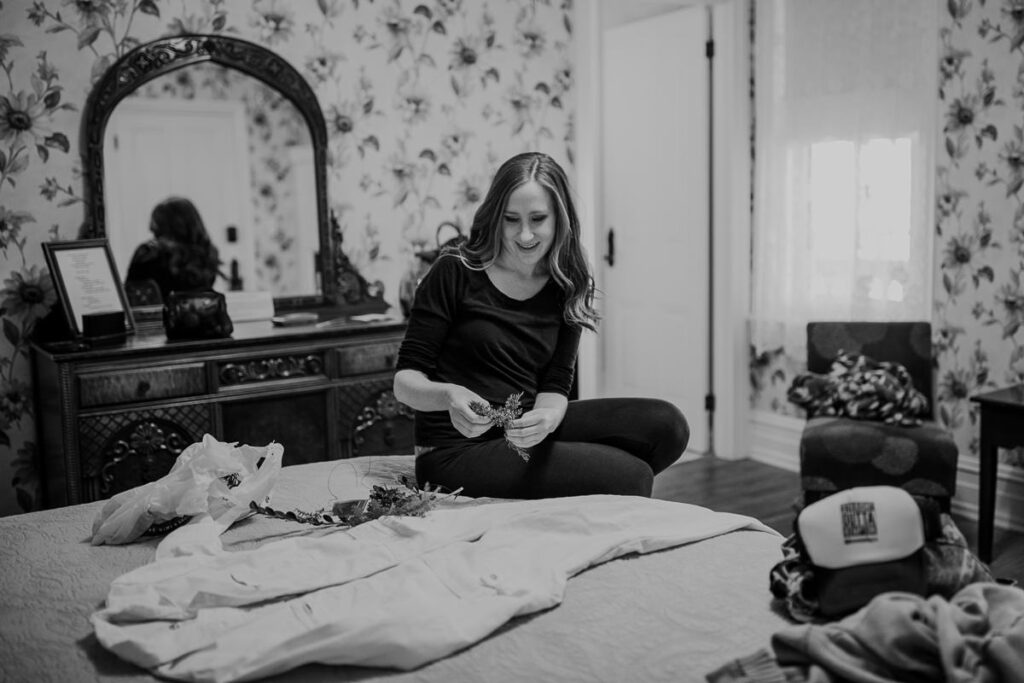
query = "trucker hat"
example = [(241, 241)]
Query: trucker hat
[(861, 542)]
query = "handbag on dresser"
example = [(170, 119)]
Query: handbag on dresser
[(197, 315)]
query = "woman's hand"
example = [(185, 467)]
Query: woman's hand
[(415, 390), (532, 427), (465, 419)]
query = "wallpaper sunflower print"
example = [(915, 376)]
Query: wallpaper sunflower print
[(422, 101)]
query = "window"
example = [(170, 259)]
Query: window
[(860, 205), (845, 109)]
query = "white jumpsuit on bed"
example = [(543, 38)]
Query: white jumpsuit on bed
[(396, 592)]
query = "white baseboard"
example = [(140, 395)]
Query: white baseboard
[(1009, 494), (775, 440)]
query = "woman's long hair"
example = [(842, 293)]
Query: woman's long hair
[(566, 258), (176, 220)]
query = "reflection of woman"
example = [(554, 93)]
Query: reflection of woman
[(181, 256), (503, 314)]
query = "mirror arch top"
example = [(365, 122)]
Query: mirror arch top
[(165, 55)]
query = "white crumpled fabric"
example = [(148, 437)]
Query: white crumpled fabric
[(195, 488), (394, 592)]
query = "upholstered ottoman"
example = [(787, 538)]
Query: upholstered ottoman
[(837, 453)]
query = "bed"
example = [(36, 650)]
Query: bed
[(672, 615)]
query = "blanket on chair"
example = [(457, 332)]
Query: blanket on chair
[(862, 388)]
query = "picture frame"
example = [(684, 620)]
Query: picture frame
[(88, 284)]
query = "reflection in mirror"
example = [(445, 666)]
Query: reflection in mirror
[(276, 202), (180, 257), (240, 151)]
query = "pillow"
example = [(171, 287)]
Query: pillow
[(862, 388)]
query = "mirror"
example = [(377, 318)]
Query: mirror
[(240, 152), (236, 129)]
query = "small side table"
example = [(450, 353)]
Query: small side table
[(1002, 426)]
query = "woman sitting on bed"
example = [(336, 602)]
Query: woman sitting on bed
[(502, 314)]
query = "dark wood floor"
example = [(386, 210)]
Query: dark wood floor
[(769, 493)]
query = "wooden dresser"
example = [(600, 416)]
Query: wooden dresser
[(113, 418)]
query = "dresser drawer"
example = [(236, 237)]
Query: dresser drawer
[(141, 384), (363, 359), (271, 369)]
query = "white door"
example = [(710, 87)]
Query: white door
[(654, 337), (193, 149)]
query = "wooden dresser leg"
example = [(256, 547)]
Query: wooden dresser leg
[(989, 465)]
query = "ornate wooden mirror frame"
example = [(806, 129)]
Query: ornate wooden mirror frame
[(341, 286)]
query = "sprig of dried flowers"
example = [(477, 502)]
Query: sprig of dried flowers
[(502, 417), (405, 499)]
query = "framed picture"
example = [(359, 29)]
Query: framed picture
[(88, 284)]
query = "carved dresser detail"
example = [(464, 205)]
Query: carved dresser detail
[(382, 425), (116, 417)]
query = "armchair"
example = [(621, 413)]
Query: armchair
[(838, 452)]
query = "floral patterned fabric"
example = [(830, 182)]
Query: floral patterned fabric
[(862, 388)]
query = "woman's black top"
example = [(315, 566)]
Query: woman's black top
[(464, 330), (174, 267)]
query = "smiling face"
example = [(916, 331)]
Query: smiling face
[(527, 228)]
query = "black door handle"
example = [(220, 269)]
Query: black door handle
[(610, 256)]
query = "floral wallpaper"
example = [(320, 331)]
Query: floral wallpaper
[(274, 128), (978, 311), (422, 99), (979, 231)]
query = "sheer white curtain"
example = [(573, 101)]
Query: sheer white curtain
[(846, 110)]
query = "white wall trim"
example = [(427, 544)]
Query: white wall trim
[(1009, 494), (588, 159), (732, 166), (775, 440)]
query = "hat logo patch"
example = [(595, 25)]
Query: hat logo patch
[(859, 525)]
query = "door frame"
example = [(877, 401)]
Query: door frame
[(731, 149)]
